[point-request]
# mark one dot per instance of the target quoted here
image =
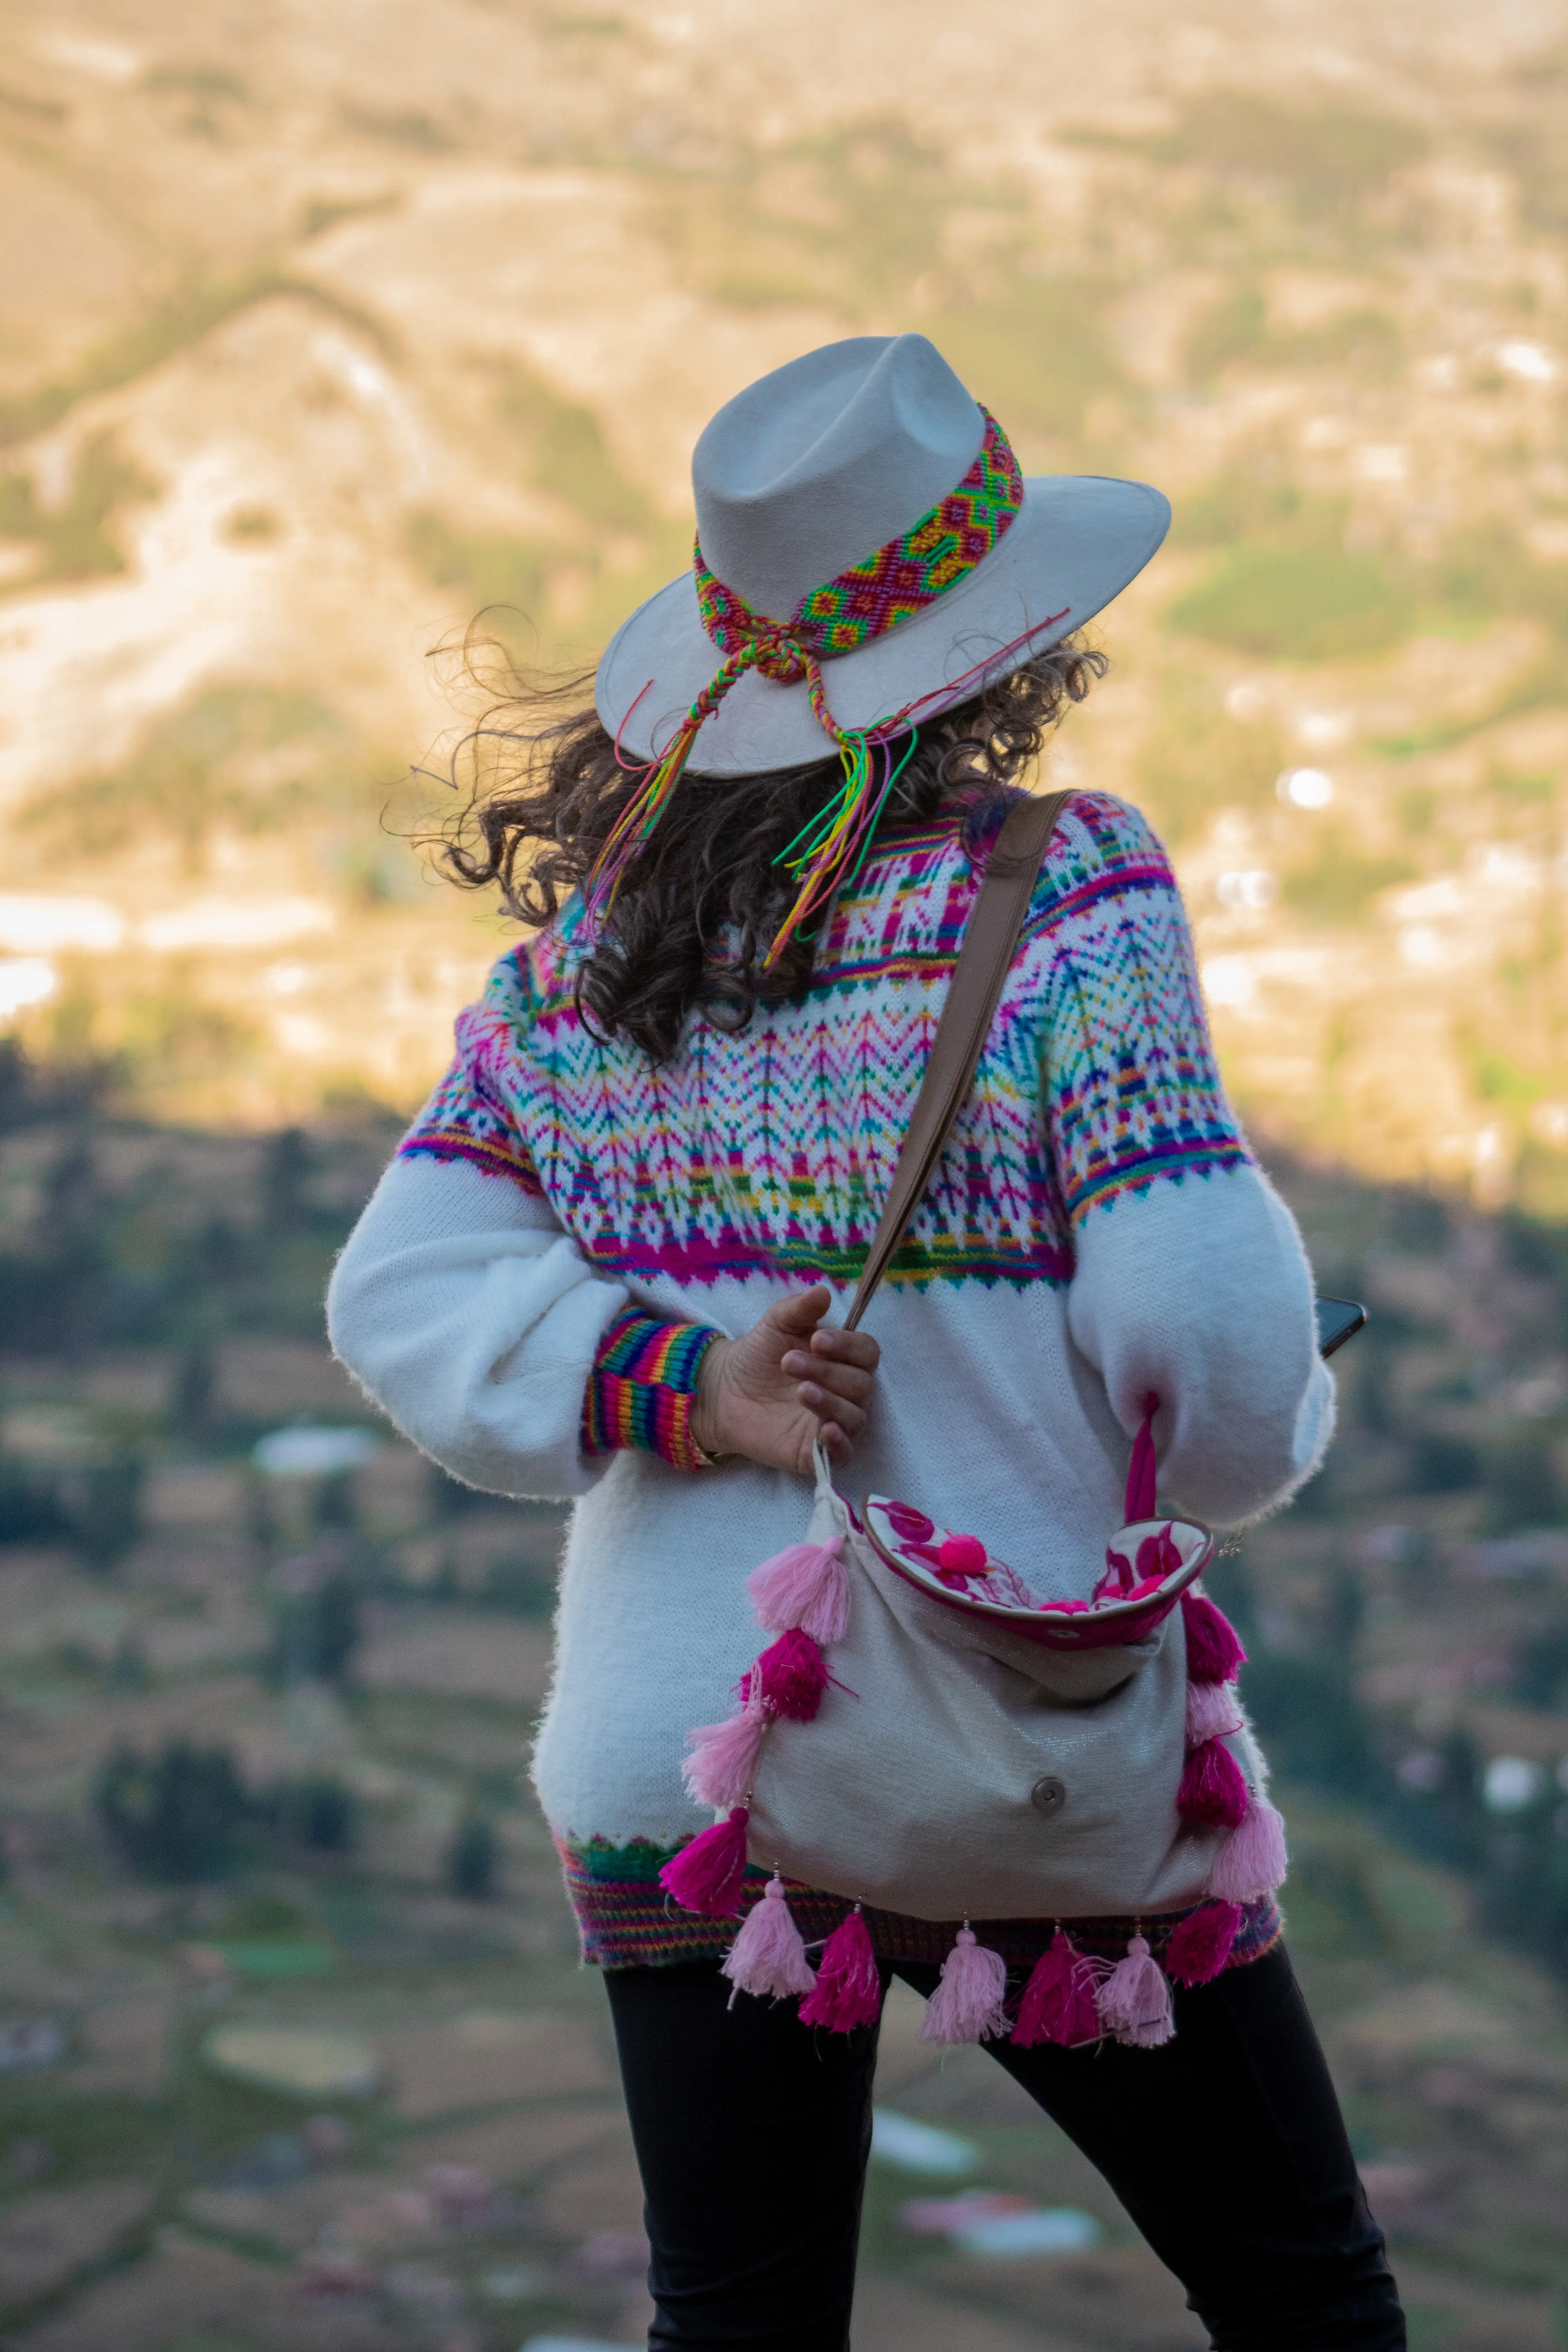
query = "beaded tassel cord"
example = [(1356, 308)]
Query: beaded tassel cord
[(828, 853), (633, 828)]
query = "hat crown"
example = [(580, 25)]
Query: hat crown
[(813, 468)]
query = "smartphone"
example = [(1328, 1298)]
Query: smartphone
[(1339, 1319)]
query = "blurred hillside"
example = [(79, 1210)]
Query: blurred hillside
[(320, 330), (293, 2048)]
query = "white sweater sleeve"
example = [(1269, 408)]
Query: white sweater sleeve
[(1201, 1292), (1190, 1278), (472, 1319)]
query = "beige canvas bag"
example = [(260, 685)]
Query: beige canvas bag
[(924, 1735)]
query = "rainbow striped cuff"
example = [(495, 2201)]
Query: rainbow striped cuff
[(641, 1388)]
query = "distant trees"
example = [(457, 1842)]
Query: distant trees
[(176, 1815), (97, 1506), (193, 1389), (1540, 1674), (319, 1811), (183, 1814), (30, 1507), (103, 1504), (286, 1172), (1436, 1807), (1311, 1719), (472, 1856), (315, 1633)]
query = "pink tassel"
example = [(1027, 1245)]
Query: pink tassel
[(967, 2004), (1213, 1712), (848, 1992), (1253, 1861), (802, 1585), (706, 1874), (768, 1958), (1134, 2001), (1140, 1470), (1213, 1654), (793, 1675), (723, 1759), (1212, 1789), (1200, 1944), (1059, 1999)]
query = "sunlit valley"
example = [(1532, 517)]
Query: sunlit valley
[(322, 331)]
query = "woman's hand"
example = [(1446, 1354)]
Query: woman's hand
[(771, 1393)]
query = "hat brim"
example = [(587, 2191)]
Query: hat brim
[(1074, 544)]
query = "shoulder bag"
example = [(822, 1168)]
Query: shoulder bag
[(925, 1736)]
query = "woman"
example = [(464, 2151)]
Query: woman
[(606, 1261)]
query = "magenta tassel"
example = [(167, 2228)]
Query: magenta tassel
[(848, 1992), (967, 2004), (723, 1758), (1214, 1712), (1253, 1861), (1212, 1789), (1059, 1999), (794, 1676), (705, 1875), (802, 1585), (768, 1958), (1200, 1944), (1141, 1469), (1134, 2001), (1213, 1654)]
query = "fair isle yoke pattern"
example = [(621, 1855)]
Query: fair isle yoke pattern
[(771, 1154)]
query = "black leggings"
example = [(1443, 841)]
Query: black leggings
[(1226, 2147)]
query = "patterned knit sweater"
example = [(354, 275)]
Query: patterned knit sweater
[(532, 1289)]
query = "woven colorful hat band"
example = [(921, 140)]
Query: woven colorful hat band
[(899, 579)]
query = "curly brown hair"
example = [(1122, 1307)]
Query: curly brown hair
[(697, 912)]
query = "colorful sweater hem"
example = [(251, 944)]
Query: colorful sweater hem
[(626, 1920)]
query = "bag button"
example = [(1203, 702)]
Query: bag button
[(1049, 1795)]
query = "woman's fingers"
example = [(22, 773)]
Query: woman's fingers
[(797, 1317), (836, 1370), (836, 1412), (841, 1379), (855, 1348)]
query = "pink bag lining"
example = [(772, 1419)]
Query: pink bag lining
[(1060, 1628)]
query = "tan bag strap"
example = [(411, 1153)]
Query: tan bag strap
[(990, 936)]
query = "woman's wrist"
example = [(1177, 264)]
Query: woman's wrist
[(707, 1402), (643, 1388)]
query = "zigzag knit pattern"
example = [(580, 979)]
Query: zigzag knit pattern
[(772, 1153)]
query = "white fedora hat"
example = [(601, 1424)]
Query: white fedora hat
[(865, 534)]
